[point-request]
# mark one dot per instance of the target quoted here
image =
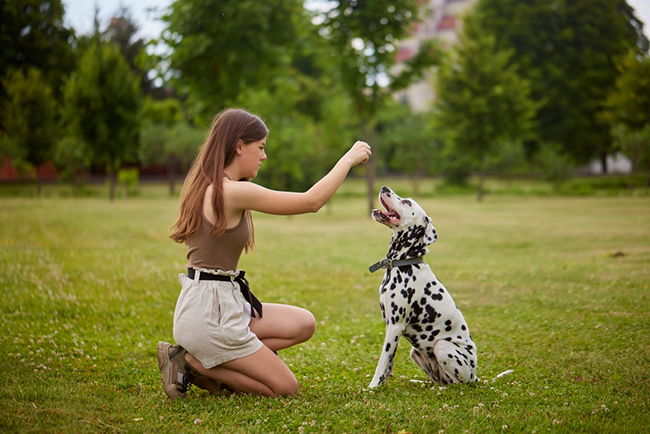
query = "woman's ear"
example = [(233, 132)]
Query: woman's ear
[(239, 147)]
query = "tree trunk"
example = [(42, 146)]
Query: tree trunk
[(603, 162)]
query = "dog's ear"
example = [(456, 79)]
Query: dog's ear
[(430, 235)]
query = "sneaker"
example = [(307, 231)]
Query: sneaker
[(177, 374)]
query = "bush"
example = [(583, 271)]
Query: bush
[(128, 178)]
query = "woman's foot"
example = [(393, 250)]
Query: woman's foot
[(212, 386), (177, 374)]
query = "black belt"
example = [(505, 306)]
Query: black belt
[(256, 305)]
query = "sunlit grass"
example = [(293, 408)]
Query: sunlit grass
[(554, 288)]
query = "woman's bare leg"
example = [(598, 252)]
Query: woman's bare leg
[(263, 372), (283, 326)]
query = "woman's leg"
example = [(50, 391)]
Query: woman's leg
[(283, 326), (263, 372)]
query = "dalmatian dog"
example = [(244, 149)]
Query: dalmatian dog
[(414, 303)]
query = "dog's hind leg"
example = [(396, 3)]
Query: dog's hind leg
[(387, 359), (431, 366), (457, 363)]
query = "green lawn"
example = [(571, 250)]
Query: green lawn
[(555, 288)]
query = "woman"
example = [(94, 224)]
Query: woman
[(224, 335)]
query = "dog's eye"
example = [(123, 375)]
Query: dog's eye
[(407, 202)]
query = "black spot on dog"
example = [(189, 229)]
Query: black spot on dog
[(387, 347)]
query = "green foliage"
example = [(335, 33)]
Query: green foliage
[(407, 142), (27, 118), (567, 51), (507, 157), (128, 178), (221, 48), (102, 101), (555, 165), (362, 35), (167, 139), (482, 101), (121, 31), (175, 146), (33, 34), (166, 111), (635, 144), (628, 102), (71, 159)]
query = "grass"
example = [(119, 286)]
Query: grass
[(555, 288)]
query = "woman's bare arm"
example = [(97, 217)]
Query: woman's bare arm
[(247, 195)]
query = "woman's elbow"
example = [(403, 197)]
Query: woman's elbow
[(313, 205)]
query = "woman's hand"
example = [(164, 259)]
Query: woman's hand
[(359, 153)]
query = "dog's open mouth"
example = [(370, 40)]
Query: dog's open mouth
[(390, 216)]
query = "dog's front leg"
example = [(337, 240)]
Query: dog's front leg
[(388, 352)]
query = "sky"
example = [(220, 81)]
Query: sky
[(79, 14)]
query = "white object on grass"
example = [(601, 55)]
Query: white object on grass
[(508, 372)]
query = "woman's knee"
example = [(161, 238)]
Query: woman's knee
[(307, 326), (286, 388)]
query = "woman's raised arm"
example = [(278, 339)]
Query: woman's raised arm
[(247, 195)]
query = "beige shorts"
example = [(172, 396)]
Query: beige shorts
[(212, 319)]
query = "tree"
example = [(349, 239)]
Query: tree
[(362, 35), (482, 102), (32, 33), (165, 138), (102, 102), (635, 143), (408, 143), (121, 31), (566, 49), (220, 48), (627, 111), (555, 165), (28, 119), (628, 102)]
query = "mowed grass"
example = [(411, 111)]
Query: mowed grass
[(554, 288)]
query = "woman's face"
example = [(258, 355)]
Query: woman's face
[(253, 156)]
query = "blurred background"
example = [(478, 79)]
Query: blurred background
[(461, 91)]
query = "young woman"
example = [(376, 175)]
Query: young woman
[(224, 335)]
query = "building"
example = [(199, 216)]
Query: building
[(442, 20)]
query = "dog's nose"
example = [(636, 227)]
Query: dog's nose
[(385, 189)]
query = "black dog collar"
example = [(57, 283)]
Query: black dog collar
[(388, 264)]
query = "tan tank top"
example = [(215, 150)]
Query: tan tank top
[(218, 253)]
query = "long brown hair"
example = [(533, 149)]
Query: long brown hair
[(217, 152)]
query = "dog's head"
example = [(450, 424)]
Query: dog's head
[(412, 229)]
